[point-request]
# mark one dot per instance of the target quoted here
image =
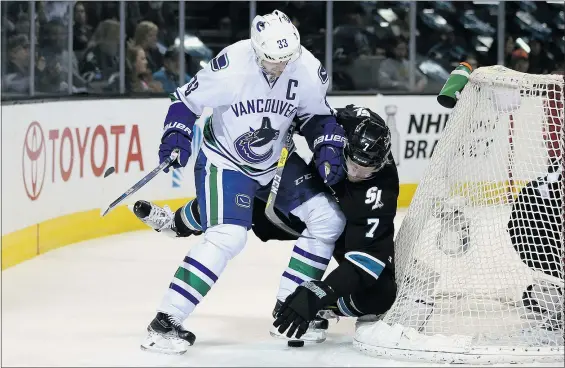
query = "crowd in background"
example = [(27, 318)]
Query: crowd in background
[(370, 42), (95, 45)]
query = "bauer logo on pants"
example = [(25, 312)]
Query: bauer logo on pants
[(34, 160)]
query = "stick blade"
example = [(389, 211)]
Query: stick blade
[(104, 212)]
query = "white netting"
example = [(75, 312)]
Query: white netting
[(479, 255)]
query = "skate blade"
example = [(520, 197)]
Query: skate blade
[(162, 351), (310, 337), (163, 345)]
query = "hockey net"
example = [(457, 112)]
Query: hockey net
[(480, 253)]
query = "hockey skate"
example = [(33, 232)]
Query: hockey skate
[(159, 219), (366, 320), (316, 332), (166, 335)]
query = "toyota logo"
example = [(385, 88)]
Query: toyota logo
[(34, 160)]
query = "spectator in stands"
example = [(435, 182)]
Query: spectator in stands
[(146, 37), (81, 30), (138, 75), (539, 62), (168, 75), (15, 77), (98, 11), (54, 48), (394, 71), (101, 58), (519, 61), (22, 26), (164, 15), (350, 39), (48, 11), (450, 49), (152, 11)]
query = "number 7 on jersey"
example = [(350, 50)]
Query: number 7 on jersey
[(374, 222)]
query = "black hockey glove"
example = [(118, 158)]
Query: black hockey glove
[(301, 307)]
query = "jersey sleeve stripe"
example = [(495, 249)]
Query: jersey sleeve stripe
[(367, 263), (343, 308)]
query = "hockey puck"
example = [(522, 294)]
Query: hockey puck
[(109, 171), (295, 343)]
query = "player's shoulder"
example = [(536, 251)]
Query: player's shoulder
[(310, 69), (234, 60), (386, 180)]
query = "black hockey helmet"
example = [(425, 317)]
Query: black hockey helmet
[(368, 141)]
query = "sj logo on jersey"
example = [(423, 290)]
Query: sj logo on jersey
[(374, 197), (245, 143)]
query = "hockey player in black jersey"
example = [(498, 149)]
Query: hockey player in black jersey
[(363, 283)]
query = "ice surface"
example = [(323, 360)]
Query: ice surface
[(89, 305)]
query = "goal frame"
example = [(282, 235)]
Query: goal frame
[(396, 341)]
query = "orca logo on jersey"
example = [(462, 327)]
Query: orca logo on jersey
[(245, 143)]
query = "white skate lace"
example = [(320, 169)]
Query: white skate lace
[(160, 218), (174, 321)]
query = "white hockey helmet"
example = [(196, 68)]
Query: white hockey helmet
[(276, 41)]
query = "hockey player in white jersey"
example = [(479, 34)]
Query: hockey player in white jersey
[(256, 88)]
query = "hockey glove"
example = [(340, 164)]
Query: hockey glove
[(329, 161), (328, 154), (173, 138), (301, 307)]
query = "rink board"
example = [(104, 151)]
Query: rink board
[(55, 155)]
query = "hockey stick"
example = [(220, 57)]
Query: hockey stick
[(165, 164), (270, 208)]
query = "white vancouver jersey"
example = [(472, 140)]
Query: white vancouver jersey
[(250, 115)]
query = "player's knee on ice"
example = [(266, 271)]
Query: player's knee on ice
[(322, 216), (376, 299), (228, 238)]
